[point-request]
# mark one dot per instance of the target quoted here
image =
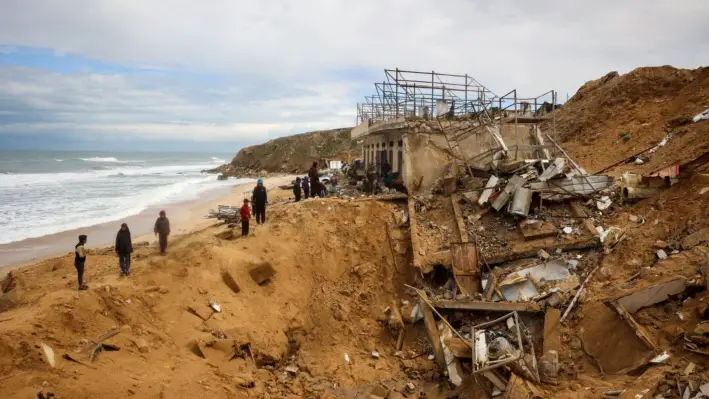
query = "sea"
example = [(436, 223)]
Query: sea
[(47, 192)]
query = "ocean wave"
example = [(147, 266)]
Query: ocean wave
[(108, 160), (59, 160), (217, 160)]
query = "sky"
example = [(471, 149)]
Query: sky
[(222, 74)]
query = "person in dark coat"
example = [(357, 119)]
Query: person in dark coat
[(162, 230), (314, 179), (297, 189), (259, 199), (245, 215), (306, 187), (124, 247), (80, 261)]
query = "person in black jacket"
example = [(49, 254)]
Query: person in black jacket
[(259, 199), (124, 247), (80, 261), (162, 230), (314, 177), (297, 189)]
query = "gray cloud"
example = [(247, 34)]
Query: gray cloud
[(270, 53)]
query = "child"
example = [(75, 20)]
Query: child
[(80, 261), (245, 214), (297, 189)]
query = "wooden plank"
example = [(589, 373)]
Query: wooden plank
[(453, 366), (531, 231), (487, 306), (432, 330), (462, 232), (552, 333), (415, 245), (532, 252), (465, 267), (578, 211)]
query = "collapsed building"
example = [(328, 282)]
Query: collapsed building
[(507, 231)]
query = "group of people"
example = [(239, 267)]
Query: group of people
[(123, 248), (309, 185), (259, 199)]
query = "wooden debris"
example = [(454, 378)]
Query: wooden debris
[(459, 347), (491, 286), (262, 273), (432, 331), (453, 366), (487, 306), (414, 233), (230, 281), (552, 333), (465, 267), (578, 211), (531, 231)]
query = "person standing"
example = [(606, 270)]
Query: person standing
[(162, 230), (124, 247), (80, 261), (259, 199), (306, 187), (296, 189), (314, 179), (245, 214)]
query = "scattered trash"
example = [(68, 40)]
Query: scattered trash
[(215, 306), (347, 358), (701, 116), (568, 230), (375, 355), (660, 358), (48, 355), (604, 203)]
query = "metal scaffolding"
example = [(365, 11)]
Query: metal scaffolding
[(425, 94)]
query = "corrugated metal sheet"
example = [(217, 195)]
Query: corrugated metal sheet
[(560, 189)]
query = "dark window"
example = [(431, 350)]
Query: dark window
[(391, 144), (377, 145), (400, 162), (401, 143)]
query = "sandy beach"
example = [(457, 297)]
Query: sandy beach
[(185, 217)]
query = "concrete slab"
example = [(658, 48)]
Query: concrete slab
[(651, 295), (262, 273)]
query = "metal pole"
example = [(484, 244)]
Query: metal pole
[(433, 102), (465, 107), (516, 133), (396, 80), (553, 115)]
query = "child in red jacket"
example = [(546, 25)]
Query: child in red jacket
[(245, 213)]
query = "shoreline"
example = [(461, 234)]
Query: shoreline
[(185, 217)]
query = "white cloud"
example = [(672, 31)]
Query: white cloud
[(271, 52)]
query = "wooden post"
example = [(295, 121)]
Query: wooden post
[(433, 336)]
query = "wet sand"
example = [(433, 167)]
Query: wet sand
[(185, 217)]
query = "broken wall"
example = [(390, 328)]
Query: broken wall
[(428, 156)]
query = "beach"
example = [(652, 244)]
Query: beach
[(185, 217)]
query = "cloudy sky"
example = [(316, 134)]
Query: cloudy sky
[(220, 74)]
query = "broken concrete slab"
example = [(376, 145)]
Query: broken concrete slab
[(433, 336), (379, 392), (262, 273), (555, 169), (696, 238), (230, 281), (459, 347), (532, 229), (142, 345), (201, 310), (642, 297), (503, 198), (637, 328), (489, 186)]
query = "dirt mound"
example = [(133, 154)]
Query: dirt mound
[(319, 315), (618, 116), (292, 154)]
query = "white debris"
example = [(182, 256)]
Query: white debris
[(703, 115), (431, 357), (661, 254), (375, 355), (568, 230), (347, 358), (292, 370), (480, 347), (215, 306), (604, 203), (48, 354), (660, 358), (510, 323)]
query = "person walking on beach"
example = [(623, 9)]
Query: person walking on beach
[(259, 199), (162, 230), (306, 187), (314, 179), (124, 247), (80, 261), (245, 214), (297, 189)]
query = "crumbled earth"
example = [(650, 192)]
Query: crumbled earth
[(335, 276)]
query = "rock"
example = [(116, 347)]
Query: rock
[(410, 387), (48, 355), (661, 244), (661, 254), (142, 345), (292, 370), (696, 238), (544, 255), (633, 218), (244, 380), (549, 365)]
